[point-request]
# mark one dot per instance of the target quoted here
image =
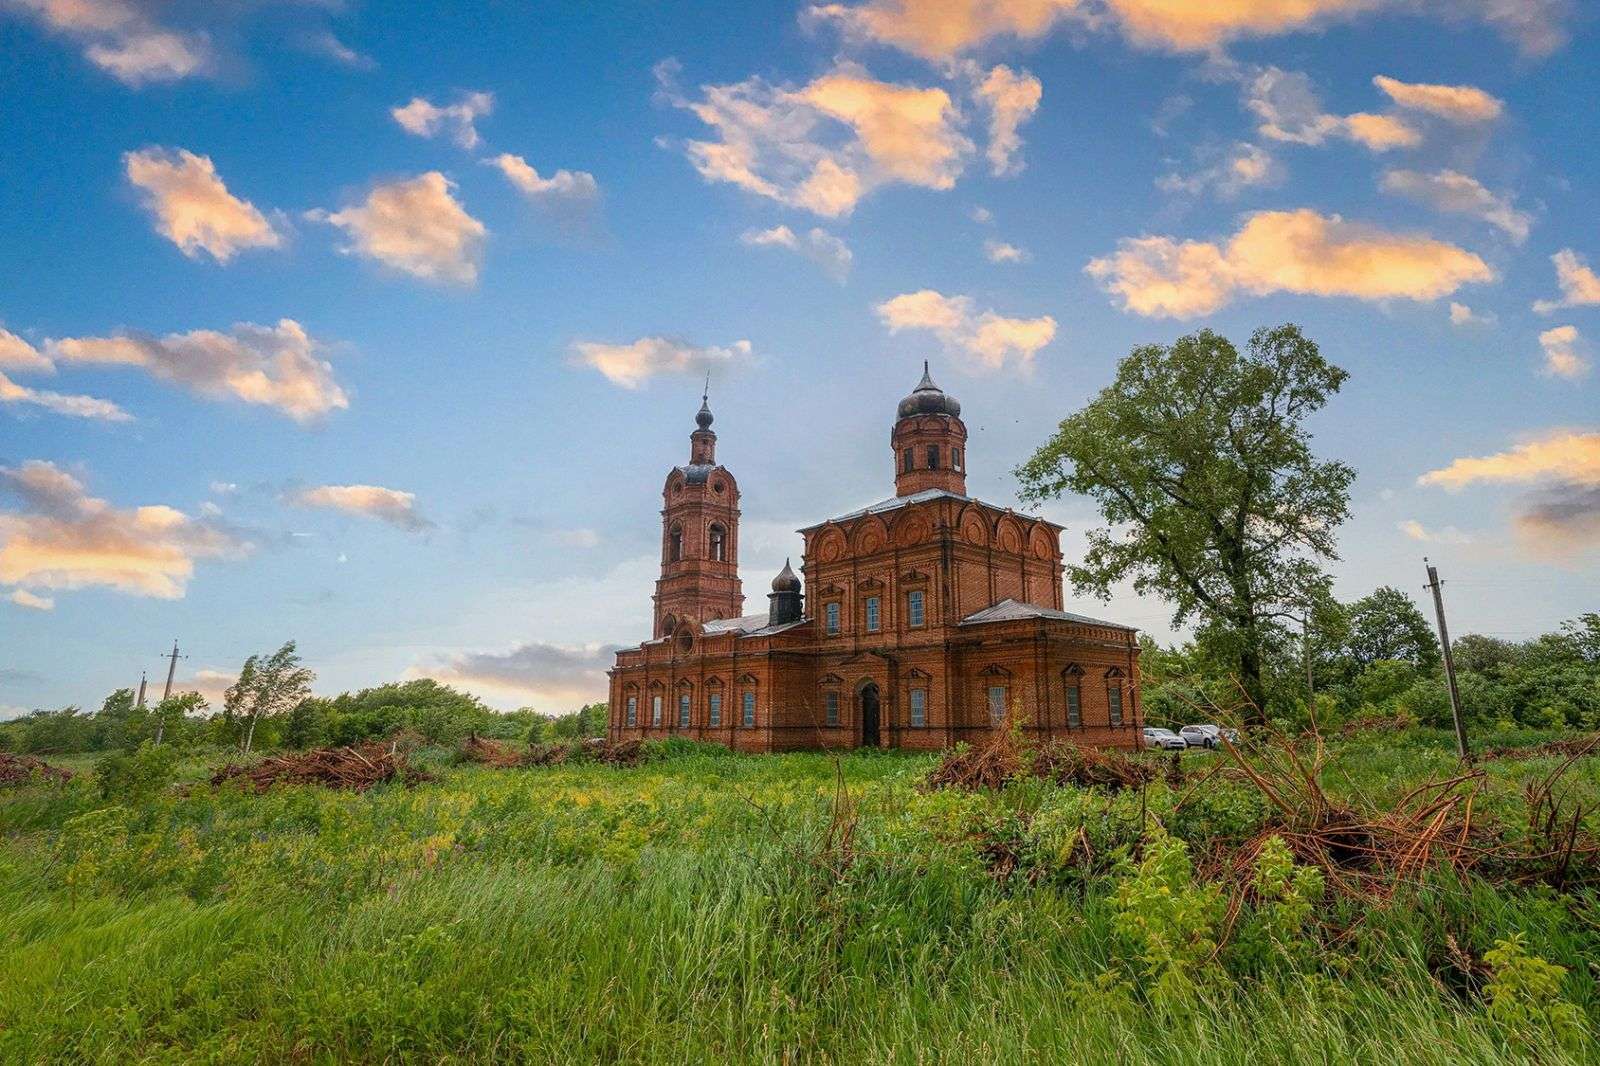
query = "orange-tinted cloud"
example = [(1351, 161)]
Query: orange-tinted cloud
[(1283, 251), (191, 206), (423, 118), (415, 226), (1457, 193), (985, 340), (1463, 104), (1561, 518), (1012, 99), (1564, 356), (61, 403), (273, 366), (1580, 285), (373, 501), (67, 539), (631, 365)]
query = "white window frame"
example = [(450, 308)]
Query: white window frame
[(997, 715), (655, 710), (874, 614), (919, 708), (714, 709), (685, 709), (830, 616), (632, 718), (916, 608), (749, 710), (830, 700)]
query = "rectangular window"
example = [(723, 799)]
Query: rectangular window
[(955, 458), (919, 708), (655, 710), (633, 710), (683, 710), (905, 462), (832, 701), (914, 614), (1114, 701), (997, 704), (1074, 707), (749, 710), (872, 614), (714, 707), (933, 457), (832, 614)]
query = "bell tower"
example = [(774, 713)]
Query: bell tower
[(929, 441), (699, 536)]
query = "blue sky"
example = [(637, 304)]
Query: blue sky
[(378, 326)]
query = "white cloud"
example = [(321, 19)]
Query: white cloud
[(274, 366), (1001, 252), (422, 118), (1564, 353), (631, 365), (986, 340), (24, 598), (1580, 286), (67, 539), (1462, 315), (1243, 166), (562, 185), (1457, 193), (1464, 104), (824, 146), (414, 226), (372, 501), (577, 538), (1011, 99), (818, 245), (1283, 251), (981, 215), (61, 403), (191, 206), (325, 43), (1448, 535)]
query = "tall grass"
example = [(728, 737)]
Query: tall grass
[(682, 912)]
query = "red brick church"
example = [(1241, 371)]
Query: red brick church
[(933, 617)]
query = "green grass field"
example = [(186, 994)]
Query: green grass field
[(708, 907)]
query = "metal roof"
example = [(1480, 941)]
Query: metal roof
[(896, 502), (1009, 610), (751, 625)]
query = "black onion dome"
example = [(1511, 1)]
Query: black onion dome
[(928, 399), (703, 418), (786, 581)]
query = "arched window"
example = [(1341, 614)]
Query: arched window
[(933, 457), (1072, 679), (955, 458), (675, 544), (906, 461), (1114, 696), (719, 543)]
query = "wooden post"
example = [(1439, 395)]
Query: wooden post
[(1449, 662)]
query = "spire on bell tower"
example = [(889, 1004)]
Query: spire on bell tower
[(703, 441)]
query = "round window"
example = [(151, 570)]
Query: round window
[(716, 486)]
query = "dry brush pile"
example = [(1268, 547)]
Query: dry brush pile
[(357, 768), (24, 769)]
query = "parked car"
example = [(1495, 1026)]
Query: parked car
[(1207, 735), (1165, 739)]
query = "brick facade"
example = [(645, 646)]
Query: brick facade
[(931, 617)]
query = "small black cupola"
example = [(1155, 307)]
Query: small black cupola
[(786, 602)]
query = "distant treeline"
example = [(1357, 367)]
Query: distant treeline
[(440, 714)]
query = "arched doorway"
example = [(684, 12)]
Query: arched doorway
[(869, 715)]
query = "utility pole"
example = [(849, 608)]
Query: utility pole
[(140, 703), (1449, 661), (172, 668)]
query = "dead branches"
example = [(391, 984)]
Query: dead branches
[(355, 768), (25, 769)]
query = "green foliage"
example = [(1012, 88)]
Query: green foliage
[(1286, 894), (1525, 996), (1171, 922), (1387, 625), (1200, 462), (133, 777)]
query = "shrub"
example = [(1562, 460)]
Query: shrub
[(1170, 921), (1525, 996), (135, 777)]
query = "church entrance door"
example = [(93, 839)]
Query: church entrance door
[(869, 716)]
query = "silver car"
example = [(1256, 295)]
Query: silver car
[(1165, 739), (1208, 736)]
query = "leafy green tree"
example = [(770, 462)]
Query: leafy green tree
[(176, 717), (1388, 625), (266, 687), (1200, 462)]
